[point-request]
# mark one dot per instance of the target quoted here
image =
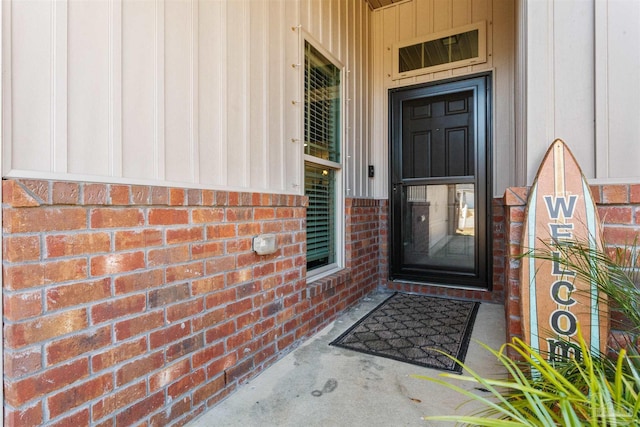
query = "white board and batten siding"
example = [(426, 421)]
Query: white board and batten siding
[(201, 94), (583, 59), (407, 20)]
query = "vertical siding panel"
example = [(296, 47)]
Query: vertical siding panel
[(194, 114), (7, 66), (292, 98), (378, 102), (361, 152), (115, 88), (389, 26), (276, 69), (337, 29), (424, 17), (32, 91), (59, 103), (407, 21), (460, 12), (442, 15), (178, 94), (159, 98), (327, 31), (212, 93), (138, 89), (349, 154), (237, 100), (89, 77), (258, 93)]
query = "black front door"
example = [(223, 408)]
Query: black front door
[(440, 183)]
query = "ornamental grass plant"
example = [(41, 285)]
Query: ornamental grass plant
[(594, 390)]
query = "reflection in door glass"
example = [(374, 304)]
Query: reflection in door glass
[(439, 226)]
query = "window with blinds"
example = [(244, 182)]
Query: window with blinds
[(322, 132)]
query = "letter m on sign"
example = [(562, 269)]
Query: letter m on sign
[(557, 204), (560, 350)]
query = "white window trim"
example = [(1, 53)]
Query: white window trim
[(481, 26), (324, 271)]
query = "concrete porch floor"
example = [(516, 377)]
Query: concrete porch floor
[(322, 385)]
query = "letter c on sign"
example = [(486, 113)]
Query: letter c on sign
[(555, 292)]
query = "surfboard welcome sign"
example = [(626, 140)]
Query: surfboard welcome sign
[(555, 301)]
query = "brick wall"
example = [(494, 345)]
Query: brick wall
[(619, 211), (130, 304)]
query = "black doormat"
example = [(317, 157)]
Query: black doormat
[(413, 329)]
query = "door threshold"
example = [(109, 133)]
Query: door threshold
[(439, 285)]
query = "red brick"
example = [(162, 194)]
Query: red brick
[(95, 194), (237, 371), (207, 354), (162, 216), (239, 276), (184, 271), (176, 410), (138, 281), (220, 365), (116, 263), (221, 231), (220, 264), (121, 398), (616, 214), (176, 196), (140, 410), (207, 250), (238, 245), (149, 237), (168, 295), (239, 214), (209, 389), (119, 194), (159, 195), (44, 219), (118, 354), (264, 213), (619, 235), (43, 328), (167, 256), (208, 197), (138, 368), (64, 245), (28, 416), (194, 197), (184, 347), (184, 235), (16, 195), (186, 309), (20, 392), (199, 216), (168, 375), (116, 217), (115, 308), (75, 396), (138, 325), (271, 227), (185, 384), (208, 319), (21, 248), (207, 285), (249, 229), (79, 293), (168, 335), (233, 198), (220, 298), (220, 331), (20, 306), (65, 193), (239, 339), (615, 193), (80, 418), (634, 193), (140, 194), (222, 198), (247, 319), (76, 345), (25, 361)]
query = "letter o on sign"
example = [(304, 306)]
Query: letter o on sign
[(571, 322)]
